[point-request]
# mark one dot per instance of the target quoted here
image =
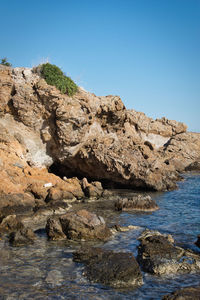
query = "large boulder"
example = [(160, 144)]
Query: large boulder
[(158, 255), (110, 268), (137, 202), (82, 225)]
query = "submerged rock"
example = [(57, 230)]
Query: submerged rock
[(188, 293), (81, 225), (137, 202), (158, 255), (110, 268)]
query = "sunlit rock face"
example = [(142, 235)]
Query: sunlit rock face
[(85, 136)]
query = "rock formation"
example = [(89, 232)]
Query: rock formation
[(80, 226), (42, 130)]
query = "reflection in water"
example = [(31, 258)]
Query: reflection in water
[(46, 270)]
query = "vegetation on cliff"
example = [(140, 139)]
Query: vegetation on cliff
[(4, 62), (54, 76)]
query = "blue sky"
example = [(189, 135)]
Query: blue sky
[(145, 51)]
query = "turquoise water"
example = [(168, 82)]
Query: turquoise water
[(46, 270)]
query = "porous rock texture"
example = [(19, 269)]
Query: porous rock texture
[(158, 255), (137, 202), (117, 269), (85, 136), (81, 225)]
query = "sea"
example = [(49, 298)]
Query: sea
[(45, 270)]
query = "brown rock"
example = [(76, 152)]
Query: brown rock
[(22, 237), (54, 229), (86, 136), (82, 225), (93, 189), (10, 223)]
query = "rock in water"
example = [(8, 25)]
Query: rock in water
[(158, 255), (138, 202), (188, 293), (198, 241), (110, 268), (81, 225), (22, 237)]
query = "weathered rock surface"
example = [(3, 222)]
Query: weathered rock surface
[(110, 268), (183, 151), (81, 225), (93, 189), (10, 223), (86, 136), (138, 202), (188, 293), (158, 255)]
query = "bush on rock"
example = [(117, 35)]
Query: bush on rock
[(54, 76), (4, 62)]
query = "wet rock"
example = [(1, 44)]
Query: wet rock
[(16, 202), (10, 223), (110, 268), (117, 228), (138, 202), (93, 189), (54, 229), (188, 293), (158, 255), (198, 241), (22, 237), (81, 225)]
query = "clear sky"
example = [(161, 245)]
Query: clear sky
[(145, 51)]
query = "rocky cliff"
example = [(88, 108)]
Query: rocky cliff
[(42, 130)]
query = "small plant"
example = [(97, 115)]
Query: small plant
[(54, 76), (4, 62)]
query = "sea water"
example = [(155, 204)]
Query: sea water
[(46, 269)]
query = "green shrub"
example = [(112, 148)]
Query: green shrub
[(4, 62), (54, 76)]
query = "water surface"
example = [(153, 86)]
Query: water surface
[(46, 270)]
